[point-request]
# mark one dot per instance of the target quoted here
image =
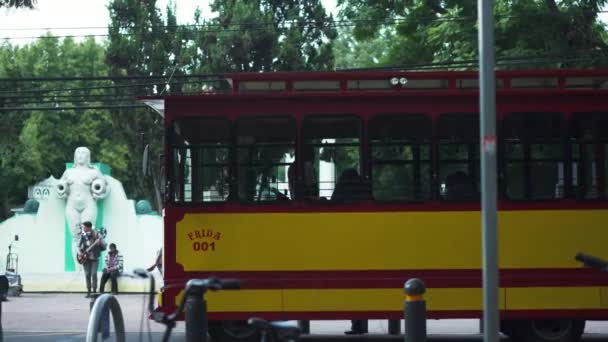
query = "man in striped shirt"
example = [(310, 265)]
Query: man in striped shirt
[(112, 269)]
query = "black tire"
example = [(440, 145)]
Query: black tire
[(548, 330), (507, 327), (232, 331)]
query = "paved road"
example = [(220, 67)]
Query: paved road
[(178, 337), (64, 317)]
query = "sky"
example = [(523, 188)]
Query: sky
[(88, 16)]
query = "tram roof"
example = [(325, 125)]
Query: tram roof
[(387, 81)]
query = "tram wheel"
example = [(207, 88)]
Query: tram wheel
[(232, 331), (508, 327), (548, 330)]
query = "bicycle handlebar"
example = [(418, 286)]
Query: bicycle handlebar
[(591, 261), (211, 283)]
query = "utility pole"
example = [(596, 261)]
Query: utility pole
[(487, 133)]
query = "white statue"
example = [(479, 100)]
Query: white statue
[(83, 185)]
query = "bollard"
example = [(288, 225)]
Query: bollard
[(394, 327), (4, 285), (415, 311), (196, 316), (1, 332), (304, 326)]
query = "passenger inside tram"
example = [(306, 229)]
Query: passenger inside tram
[(459, 186)]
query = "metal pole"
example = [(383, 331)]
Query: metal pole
[(415, 310), (1, 331), (196, 315), (394, 326), (102, 303), (487, 132), (304, 326)]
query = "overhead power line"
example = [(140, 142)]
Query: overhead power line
[(26, 109), (253, 26), (116, 86), (286, 22), (131, 91), (102, 78)]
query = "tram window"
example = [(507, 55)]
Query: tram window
[(534, 156), (265, 151), (400, 150), (458, 135), (201, 158), (331, 159), (589, 141)]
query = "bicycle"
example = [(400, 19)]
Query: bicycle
[(195, 308), (192, 303)]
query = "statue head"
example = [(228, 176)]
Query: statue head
[(82, 157)]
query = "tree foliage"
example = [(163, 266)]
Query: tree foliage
[(36, 144), (17, 3), (143, 43), (247, 36), (537, 34), (276, 35)]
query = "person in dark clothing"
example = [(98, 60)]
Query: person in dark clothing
[(350, 187), (459, 186), (112, 269), (90, 247)]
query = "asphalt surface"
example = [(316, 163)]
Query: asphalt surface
[(64, 317)]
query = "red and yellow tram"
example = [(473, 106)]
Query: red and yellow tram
[(325, 192)]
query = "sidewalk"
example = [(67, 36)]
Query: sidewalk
[(69, 313)]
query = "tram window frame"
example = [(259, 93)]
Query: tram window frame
[(195, 153), (593, 135), (466, 141), (279, 197), (524, 130), (361, 184), (384, 132)]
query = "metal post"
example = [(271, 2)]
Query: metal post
[(1, 331), (394, 327), (196, 316), (304, 326), (415, 311), (104, 303), (487, 133), (104, 320)]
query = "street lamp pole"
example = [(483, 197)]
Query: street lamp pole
[(487, 132)]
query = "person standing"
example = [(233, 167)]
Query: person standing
[(112, 269), (90, 247)]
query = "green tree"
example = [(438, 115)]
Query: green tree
[(276, 35), (352, 53), (143, 43), (540, 33), (17, 3), (36, 144)]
